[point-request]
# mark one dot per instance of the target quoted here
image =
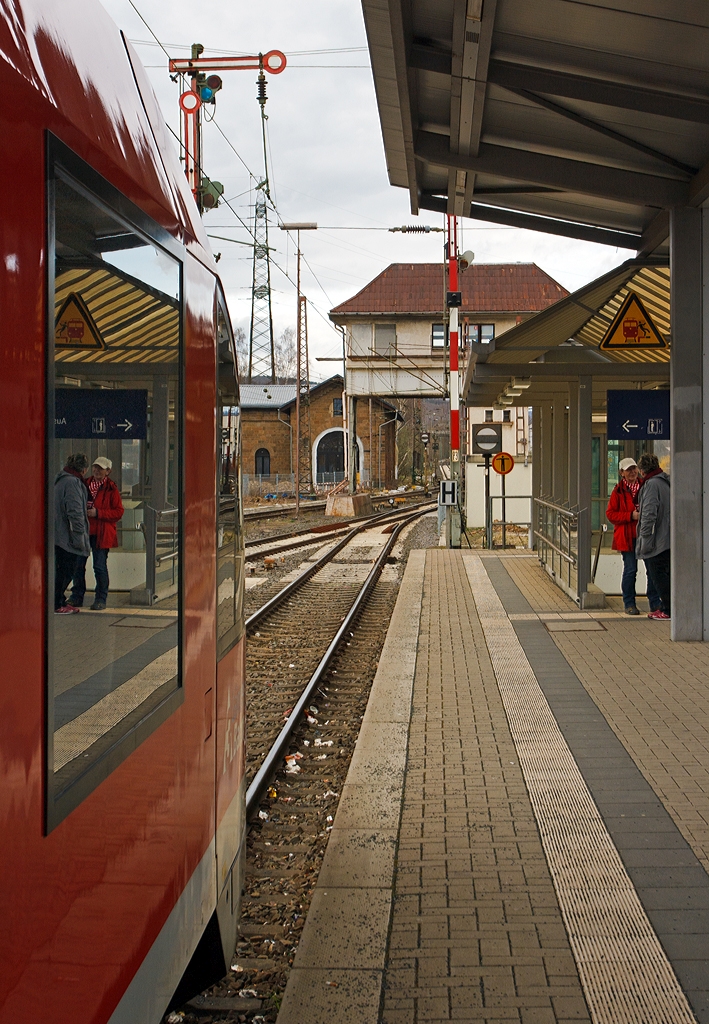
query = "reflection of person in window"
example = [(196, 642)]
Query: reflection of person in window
[(105, 508), (71, 530)]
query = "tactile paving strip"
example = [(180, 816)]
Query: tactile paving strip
[(626, 976)]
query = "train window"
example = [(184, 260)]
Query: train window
[(114, 453), (230, 526)]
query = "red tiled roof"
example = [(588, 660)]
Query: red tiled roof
[(487, 287)]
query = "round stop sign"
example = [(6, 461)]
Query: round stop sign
[(487, 439)]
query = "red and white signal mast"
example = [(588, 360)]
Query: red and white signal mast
[(453, 301), (203, 89)]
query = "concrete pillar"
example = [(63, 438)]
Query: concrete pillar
[(545, 448), (559, 448), (160, 442), (689, 262), (352, 442), (573, 453), (585, 448)]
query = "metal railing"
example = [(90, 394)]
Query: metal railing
[(162, 540), (556, 532), (504, 523)]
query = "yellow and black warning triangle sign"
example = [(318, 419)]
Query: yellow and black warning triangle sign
[(75, 327), (632, 327)]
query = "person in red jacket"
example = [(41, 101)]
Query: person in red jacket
[(104, 509), (622, 511)]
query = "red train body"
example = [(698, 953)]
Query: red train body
[(122, 787)]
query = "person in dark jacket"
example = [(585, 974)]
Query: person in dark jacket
[(653, 543), (105, 508), (71, 528), (622, 511)]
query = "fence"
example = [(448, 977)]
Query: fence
[(256, 485)]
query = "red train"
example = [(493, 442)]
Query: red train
[(122, 730)]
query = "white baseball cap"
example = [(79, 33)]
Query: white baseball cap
[(105, 463), (623, 464)]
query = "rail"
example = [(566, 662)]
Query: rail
[(504, 522), (557, 533), (275, 755), (161, 530), (303, 578)]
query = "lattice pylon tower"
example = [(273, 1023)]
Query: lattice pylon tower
[(304, 437), (261, 354)]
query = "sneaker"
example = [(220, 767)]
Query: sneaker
[(98, 606), (631, 610), (67, 609), (658, 615)]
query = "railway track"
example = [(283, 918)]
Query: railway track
[(312, 654)]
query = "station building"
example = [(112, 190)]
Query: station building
[(397, 344), (268, 435)]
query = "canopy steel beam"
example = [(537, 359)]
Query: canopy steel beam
[(550, 226), (594, 90), (553, 371), (571, 175)]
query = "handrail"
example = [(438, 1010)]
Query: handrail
[(569, 558), (557, 508)]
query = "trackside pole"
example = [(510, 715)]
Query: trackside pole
[(453, 299)]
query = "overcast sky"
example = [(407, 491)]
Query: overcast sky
[(327, 158)]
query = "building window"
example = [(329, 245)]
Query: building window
[(506, 416), (337, 407), (439, 335), (360, 340), (481, 334), (262, 462), (115, 423), (385, 340), (488, 415)]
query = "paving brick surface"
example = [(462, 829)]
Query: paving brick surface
[(476, 932), (652, 692)]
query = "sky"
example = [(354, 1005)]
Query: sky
[(326, 160)]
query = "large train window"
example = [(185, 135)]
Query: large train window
[(114, 486), (230, 553)]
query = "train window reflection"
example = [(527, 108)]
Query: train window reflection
[(229, 510), (114, 457)]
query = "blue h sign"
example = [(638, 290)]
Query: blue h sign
[(638, 415)]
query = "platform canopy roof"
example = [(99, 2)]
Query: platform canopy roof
[(586, 119), (541, 356)]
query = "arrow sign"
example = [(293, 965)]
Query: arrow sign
[(638, 415), (85, 413)]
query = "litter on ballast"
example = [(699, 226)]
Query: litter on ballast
[(330, 792), (322, 757), (248, 992), (263, 815), (323, 743), (313, 710), (306, 743), (311, 721)]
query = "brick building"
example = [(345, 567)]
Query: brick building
[(268, 433)]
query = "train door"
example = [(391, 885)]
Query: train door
[(230, 766)]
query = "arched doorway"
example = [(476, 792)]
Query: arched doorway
[(262, 462), (329, 456)]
